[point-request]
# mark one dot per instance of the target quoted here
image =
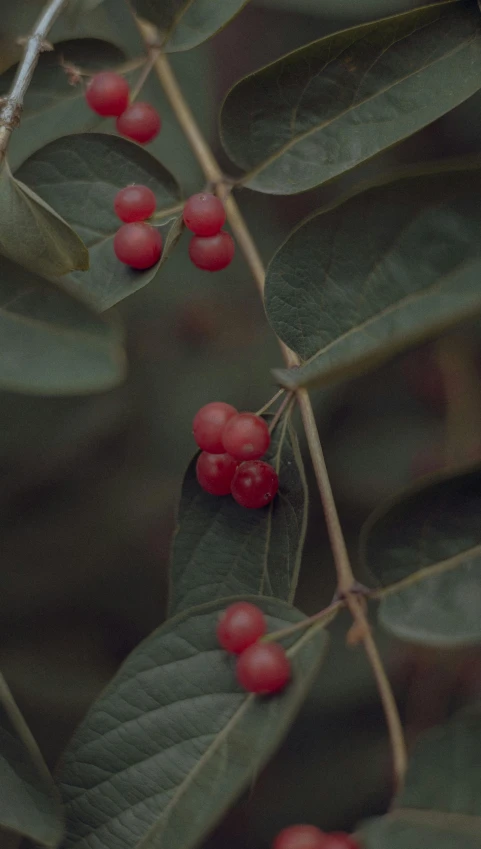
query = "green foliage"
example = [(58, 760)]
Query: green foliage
[(33, 234), (50, 342), (80, 175), (29, 801), (184, 24), (376, 273), (221, 549), (173, 740), (325, 108), (426, 546), (440, 804)]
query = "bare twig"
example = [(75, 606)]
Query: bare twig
[(35, 44), (213, 173)]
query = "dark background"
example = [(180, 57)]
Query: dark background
[(89, 486)]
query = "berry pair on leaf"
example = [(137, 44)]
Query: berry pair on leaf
[(232, 444), (108, 94)]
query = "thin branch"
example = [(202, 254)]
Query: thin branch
[(35, 44), (253, 259), (324, 617), (396, 733)]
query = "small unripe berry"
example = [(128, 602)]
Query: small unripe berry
[(212, 253), (241, 625), (254, 484), (300, 837), (204, 214), (138, 245), (215, 472), (246, 436), (140, 122), (108, 94), (134, 203), (208, 424), (263, 668)]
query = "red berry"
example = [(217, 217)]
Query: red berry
[(212, 253), (263, 668), (310, 837), (208, 424), (215, 472), (254, 484), (138, 245), (140, 122), (300, 837), (204, 214), (134, 203), (108, 94), (241, 625), (246, 436)]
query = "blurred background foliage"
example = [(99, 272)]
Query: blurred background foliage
[(89, 486)]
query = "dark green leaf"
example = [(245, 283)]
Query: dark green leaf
[(426, 545), (53, 103), (51, 343), (33, 234), (222, 549), (440, 806), (29, 803), (376, 273), (184, 24), (80, 175), (173, 740), (323, 109)]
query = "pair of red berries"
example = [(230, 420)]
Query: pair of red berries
[(137, 243), (108, 95), (261, 668), (310, 837), (211, 248), (232, 444)]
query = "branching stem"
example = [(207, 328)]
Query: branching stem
[(246, 244), (35, 44)]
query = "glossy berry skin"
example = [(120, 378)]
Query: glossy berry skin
[(246, 436), (140, 122), (204, 214), (263, 668), (134, 203), (215, 472), (254, 484), (138, 245), (310, 837), (208, 424), (212, 253), (241, 625), (300, 837), (108, 94)]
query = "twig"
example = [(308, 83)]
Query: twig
[(148, 67), (35, 44), (324, 616), (270, 403), (286, 404), (213, 173)]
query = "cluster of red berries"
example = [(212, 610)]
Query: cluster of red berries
[(211, 248), (137, 243), (261, 668), (232, 444), (310, 837), (108, 95)]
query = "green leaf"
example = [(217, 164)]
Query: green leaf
[(173, 740), (33, 234), (52, 102), (184, 24), (80, 175), (29, 802), (51, 343), (376, 273), (222, 549), (440, 806), (426, 546), (323, 109)]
